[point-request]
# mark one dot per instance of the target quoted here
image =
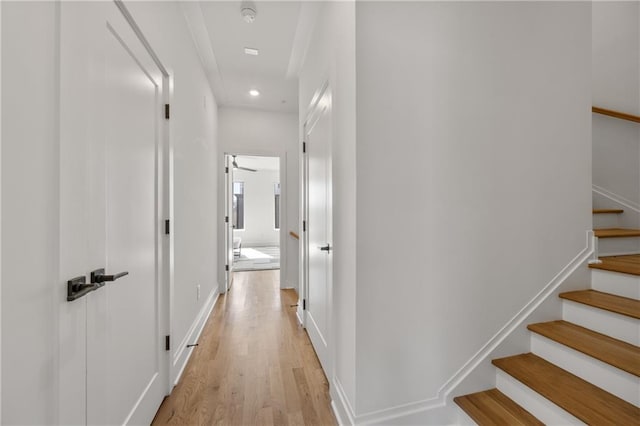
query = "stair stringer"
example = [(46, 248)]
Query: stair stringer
[(478, 373)]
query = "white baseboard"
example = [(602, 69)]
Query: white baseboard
[(341, 406), (181, 356)]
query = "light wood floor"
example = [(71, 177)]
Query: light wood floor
[(254, 365)]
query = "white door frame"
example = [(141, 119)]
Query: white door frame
[(1, 219), (283, 233), (228, 223), (164, 195), (314, 109)]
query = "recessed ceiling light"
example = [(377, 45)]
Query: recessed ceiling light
[(251, 51), (254, 92)]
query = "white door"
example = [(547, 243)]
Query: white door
[(228, 226), (318, 235), (112, 359)]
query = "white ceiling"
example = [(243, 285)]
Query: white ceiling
[(280, 32), (259, 163)]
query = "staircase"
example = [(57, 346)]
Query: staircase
[(583, 368)]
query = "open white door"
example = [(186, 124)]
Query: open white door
[(228, 218), (317, 238), (113, 367)]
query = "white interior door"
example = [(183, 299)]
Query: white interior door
[(228, 226), (318, 238), (112, 361)]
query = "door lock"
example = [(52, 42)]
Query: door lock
[(98, 276)]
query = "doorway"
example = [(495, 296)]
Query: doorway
[(255, 212)]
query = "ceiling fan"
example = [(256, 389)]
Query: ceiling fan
[(234, 163)]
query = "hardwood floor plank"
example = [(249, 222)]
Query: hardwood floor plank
[(254, 364)]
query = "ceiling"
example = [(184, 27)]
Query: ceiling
[(259, 163), (280, 32)]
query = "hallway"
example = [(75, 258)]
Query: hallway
[(254, 365)]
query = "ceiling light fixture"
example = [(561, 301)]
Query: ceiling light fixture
[(254, 92), (248, 12), (251, 51)]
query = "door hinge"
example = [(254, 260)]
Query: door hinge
[(226, 267), (226, 170), (304, 226), (304, 147), (166, 227), (304, 304), (167, 111), (226, 219), (167, 343)]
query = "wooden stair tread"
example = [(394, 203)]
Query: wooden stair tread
[(607, 211), (608, 302), (492, 407), (626, 264), (616, 233), (580, 398), (617, 353)]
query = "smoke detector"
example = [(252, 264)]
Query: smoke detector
[(248, 12)]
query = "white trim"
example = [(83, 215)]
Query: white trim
[(180, 361), (622, 253), (1, 217), (140, 399), (192, 13), (343, 408), (616, 198), (302, 37), (577, 262), (439, 400)]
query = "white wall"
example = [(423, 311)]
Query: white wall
[(474, 135), (29, 213), (616, 85), (255, 132), (195, 161), (30, 193), (331, 57), (259, 208)]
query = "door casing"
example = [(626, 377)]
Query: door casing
[(320, 102)]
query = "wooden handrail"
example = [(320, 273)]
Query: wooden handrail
[(616, 114), (294, 235)]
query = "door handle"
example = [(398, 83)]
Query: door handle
[(325, 248), (78, 287), (98, 276)]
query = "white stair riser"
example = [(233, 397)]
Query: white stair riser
[(617, 246), (614, 325), (624, 285), (543, 409), (620, 383), (608, 220), (464, 419)]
